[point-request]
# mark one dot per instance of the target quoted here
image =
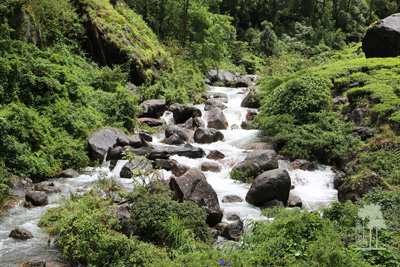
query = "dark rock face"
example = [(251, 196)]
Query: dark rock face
[(251, 114), (152, 108), (20, 234), (179, 169), (364, 132), (357, 116), (206, 136), (270, 185), (35, 263), (220, 76), (151, 122), (231, 198), (215, 154), (252, 100), (70, 173), (102, 140), (193, 123), (234, 231), (273, 203), (365, 183), (338, 179), (232, 217), (122, 214), (140, 164), (255, 163), (145, 135), (176, 135), (294, 201), (37, 198), (182, 113), (216, 119), (210, 166), (165, 164), (193, 186), (304, 165), (214, 103), (383, 38)]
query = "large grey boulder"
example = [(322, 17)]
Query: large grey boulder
[(182, 113), (254, 164), (215, 95), (69, 173), (270, 185), (102, 140), (152, 108), (220, 76), (193, 186), (382, 39), (20, 234), (123, 216), (252, 100), (141, 165), (206, 136), (216, 119), (234, 231), (37, 198), (214, 103), (176, 135)]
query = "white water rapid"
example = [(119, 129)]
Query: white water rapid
[(314, 187)]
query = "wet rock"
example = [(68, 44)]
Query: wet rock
[(151, 122), (37, 198), (215, 154), (252, 100), (214, 103), (270, 185), (182, 113), (363, 183), (232, 217), (193, 186), (382, 38), (69, 173), (216, 119), (260, 146), (273, 203), (255, 163), (246, 125), (213, 95), (140, 164), (34, 263), (145, 135), (214, 233), (241, 82), (220, 227), (165, 164), (231, 199), (179, 169), (176, 135), (206, 136), (304, 165), (20, 234), (193, 123), (47, 187), (234, 127), (294, 201), (102, 140), (123, 216), (22, 185), (251, 114), (152, 108), (338, 179), (220, 75), (234, 231), (135, 141), (210, 166)]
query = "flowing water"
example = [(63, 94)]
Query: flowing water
[(314, 187)]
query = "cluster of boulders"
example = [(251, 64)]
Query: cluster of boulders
[(225, 78)]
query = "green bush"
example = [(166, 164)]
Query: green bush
[(150, 217), (6, 183)]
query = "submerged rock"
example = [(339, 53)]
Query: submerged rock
[(20, 234)]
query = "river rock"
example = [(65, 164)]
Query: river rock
[(354, 190), (216, 119), (151, 122), (35, 263), (232, 217), (215, 154), (234, 231), (231, 199), (270, 185), (193, 186), (252, 100), (246, 125), (179, 169), (206, 136), (69, 173), (152, 108), (145, 135), (251, 114), (294, 201), (176, 135), (182, 113), (22, 185), (47, 187), (220, 75), (255, 163), (102, 140), (165, 164), (260, 146), (210, 166), (37, 198), (140, 165), (193, 123), (214, 103), (123, 216), (20, 234), (338, 179), (241, 81), (383, 38), (272, 204), (213, 95), (304, 165)]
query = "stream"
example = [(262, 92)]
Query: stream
[(314, 187)]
